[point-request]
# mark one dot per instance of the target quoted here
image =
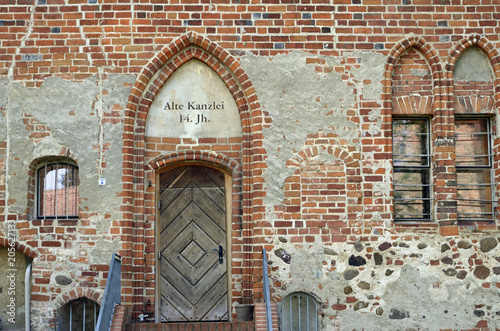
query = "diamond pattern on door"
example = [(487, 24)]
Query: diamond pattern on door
[(193, 281)]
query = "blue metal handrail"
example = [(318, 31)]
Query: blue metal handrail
[(267, 294), (112, 294)]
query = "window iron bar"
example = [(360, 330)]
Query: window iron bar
[(300, 326), (473, 133), (475, 155), (412, 134), (414, 214), (422, 155), (71, 316), (409, 167), (480, 200), (84, 304), (413, 185), (477, 184), (474, 167), (472, 213), (67, 188), (55, 189), (413, 199)]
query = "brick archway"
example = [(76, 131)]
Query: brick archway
[(489, 51), (149, 82), (25, 249)]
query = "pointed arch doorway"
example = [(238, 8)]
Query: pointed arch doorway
[(193, 243), (219, 133)]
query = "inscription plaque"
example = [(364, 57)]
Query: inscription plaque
[(194, 103)]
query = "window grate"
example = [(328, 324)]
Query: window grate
[(299, 312), (474, 166), (57, 190), (79, 314), (412, 161)]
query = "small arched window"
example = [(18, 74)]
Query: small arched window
[(57, 190), (299, 312), (79, 314)]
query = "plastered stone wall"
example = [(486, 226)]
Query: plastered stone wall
[(37, 123), (314, 87)]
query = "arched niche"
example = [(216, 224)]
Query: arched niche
[(194, 103)]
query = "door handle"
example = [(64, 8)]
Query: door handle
[(221, 254)]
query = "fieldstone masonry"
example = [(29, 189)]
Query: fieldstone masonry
[(293, 101)]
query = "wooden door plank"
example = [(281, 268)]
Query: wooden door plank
[(173, 210), (177, 281), (178, 304), (209, 287), (210, 300), (218, 311), (193, 284)]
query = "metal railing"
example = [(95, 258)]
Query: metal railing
[(267, 294), (112, 294)]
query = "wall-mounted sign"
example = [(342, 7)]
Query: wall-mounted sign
[(194, 103)]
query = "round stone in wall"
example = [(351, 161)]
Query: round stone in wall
[(481, 272), (487, 244), (444, 248), (450, 272), (350, 274), (384, 246), (63, 280), (357, 261), (364, 285), (447, 260), (463, 244)]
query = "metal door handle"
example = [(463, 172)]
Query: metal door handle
[(221, 254)]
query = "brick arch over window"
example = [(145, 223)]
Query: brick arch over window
[(321, 198), (412, 103), (203, 156), (149, 82), (76, 293), (481, 43), (424, 48), (25, 249), (493, 56), (313, 151)]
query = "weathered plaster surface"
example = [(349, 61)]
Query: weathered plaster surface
[(300, 101), (473, 58), (12, 313), (86, 120), (3, 102), (68, 107), (179, 108)]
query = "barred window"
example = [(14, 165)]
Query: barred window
[(411, 158), (299, 312), (57, 190), (474, 165), (79, 314)]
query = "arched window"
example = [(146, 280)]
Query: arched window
[(299, 312), (57, 190), (79, 314)]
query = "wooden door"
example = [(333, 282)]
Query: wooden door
[(192, 245)]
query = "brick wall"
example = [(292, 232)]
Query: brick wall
[(324, 187)]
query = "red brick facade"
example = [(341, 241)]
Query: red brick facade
[(336, 203)]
